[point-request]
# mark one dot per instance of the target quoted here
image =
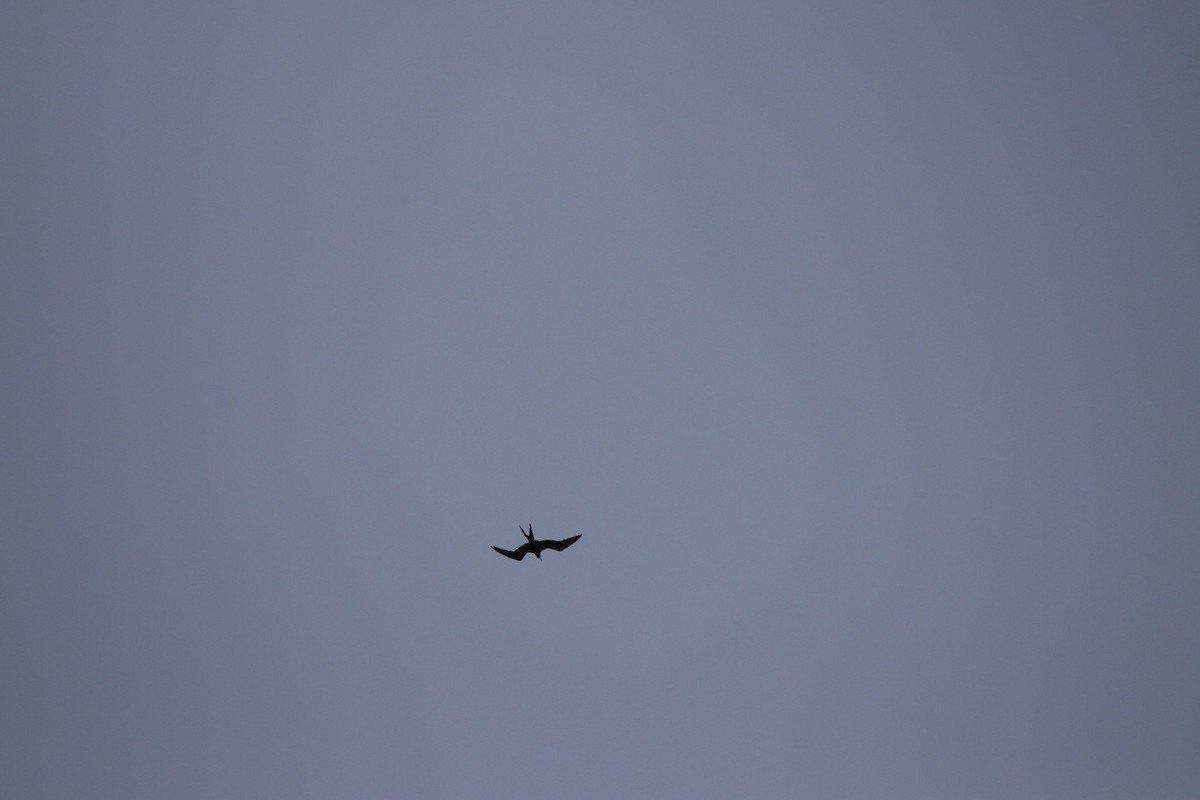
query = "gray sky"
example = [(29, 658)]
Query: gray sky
[(859, 341)]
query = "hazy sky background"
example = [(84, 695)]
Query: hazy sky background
[(861, 342)]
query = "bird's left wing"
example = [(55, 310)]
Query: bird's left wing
[(517, 556)]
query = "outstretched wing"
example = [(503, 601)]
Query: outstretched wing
[(561, 544), (515, 555)]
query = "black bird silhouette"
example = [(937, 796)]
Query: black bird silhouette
[(536, 546)]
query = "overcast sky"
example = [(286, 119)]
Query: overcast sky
[(860, 341)]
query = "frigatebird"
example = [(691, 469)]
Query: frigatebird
[(536, 546)]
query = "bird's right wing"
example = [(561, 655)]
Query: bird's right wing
[(562, 544)]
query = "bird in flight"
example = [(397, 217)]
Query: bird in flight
[(536, 546)]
